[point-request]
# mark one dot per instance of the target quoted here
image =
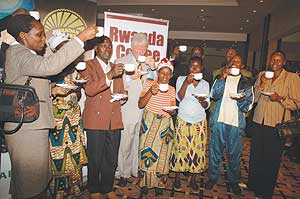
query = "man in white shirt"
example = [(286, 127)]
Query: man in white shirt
[(233, 94), (131, 114)]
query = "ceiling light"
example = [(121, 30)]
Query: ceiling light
[(202, 10), (261, 1), (153, 9), (247, 20), (108, 9), (241, 28), (203, 19), (254, 11), (203, 27)]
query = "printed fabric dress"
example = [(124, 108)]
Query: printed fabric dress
[(189, 146), (156, 138), (67, 151)]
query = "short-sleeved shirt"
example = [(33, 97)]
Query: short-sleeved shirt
[(190, 110), (160, 100)]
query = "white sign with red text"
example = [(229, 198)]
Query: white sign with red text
[(120, 28)]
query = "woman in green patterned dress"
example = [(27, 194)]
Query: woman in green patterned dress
[(67, 151)]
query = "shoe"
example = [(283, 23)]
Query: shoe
[(144, 190), (95, 196), (112, 195), (209, 185), (122, 182), (194, 186), (177, 184), (236, 189), (158, 191), (186, 174)]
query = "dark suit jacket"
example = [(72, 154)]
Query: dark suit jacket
[(99, 113)]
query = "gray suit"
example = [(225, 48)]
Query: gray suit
[(131, 114), (29, 147)]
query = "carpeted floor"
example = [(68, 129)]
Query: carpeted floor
[(288, 184)]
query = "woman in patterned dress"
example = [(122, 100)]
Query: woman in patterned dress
[(67, 151), (189, 146), (157, 130)]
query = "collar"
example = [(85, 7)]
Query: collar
[(106, 67), (17, 43), (102, 63)]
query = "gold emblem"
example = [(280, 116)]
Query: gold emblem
[(64, 20)]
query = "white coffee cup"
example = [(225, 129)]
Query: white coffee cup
[(35, 15), (141, 59), (234, 71), (100, 32), (182, 48), (163, 87), (198, 76), (81, 66), (129, 67), (269, 74)]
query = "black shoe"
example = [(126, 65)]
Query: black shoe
[(236, 189), (158, 191), (194, 186), (122, 182), (177, 184), (209, 185), (144, 190)]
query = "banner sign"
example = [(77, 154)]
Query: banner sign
[(120, 28)]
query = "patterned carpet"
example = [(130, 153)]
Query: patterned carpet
[(288, 184)]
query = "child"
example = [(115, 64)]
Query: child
[(157, 129), (188, 153)]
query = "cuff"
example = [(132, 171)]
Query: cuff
[(79, 41)]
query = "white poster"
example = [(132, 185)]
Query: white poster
[(5, 175), (120, 28)]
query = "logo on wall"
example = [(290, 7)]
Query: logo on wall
[(64, 20)]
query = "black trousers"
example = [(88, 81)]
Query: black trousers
[(102, 150), (265, 158)]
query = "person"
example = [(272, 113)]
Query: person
[(157, 129), (29, 147), (67, 138), (6, 39), (179, 70), (234, 96), (199, 52), (266, 146), (131, 114), (230, 53), (102, 118), (189, 146)]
